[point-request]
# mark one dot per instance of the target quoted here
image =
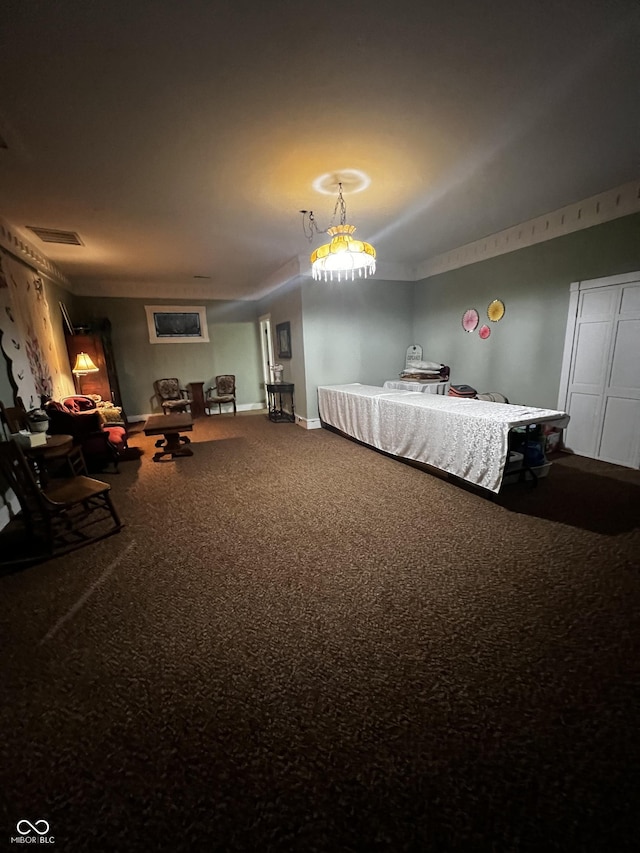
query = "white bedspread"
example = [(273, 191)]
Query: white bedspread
[(466, 438)]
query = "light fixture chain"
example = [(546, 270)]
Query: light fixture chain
[(341, 206)]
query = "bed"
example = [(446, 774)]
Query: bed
[(468, 439)]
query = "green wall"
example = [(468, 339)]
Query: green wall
[(354, 332), (285, 305), (233, 348), (523, 356), (341, 332), (359, 331)]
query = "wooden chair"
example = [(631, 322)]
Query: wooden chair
[(66, 516), (171, 396), (13, 418), (223, 392)]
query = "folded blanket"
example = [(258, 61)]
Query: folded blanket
[(462, 391), (423, 365)]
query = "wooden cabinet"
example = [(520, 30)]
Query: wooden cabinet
[(197, 396), (95, 340)]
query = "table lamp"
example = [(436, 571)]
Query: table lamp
[(83, 365)]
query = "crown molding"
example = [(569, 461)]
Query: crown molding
[(604, 207), (608, 205), (21, 248)]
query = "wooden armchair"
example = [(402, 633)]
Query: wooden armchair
[(223, 392), (171, 396), (66, 516)]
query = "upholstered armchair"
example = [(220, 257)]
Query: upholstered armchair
[(171, 396), (101, 443), (223, 392)]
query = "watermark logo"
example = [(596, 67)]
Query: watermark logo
[(33, 833), (40, 826)]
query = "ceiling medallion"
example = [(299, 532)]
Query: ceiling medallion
[(344, 255)]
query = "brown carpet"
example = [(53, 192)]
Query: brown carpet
[(299, 644)]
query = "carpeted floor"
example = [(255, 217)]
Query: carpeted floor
[(299, 644)]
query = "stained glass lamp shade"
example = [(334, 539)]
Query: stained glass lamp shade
[(343, 256)]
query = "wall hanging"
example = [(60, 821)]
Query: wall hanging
[(470, 320), (495, 311), (27, 339)]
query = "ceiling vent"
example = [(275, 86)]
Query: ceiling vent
[(52, 235)]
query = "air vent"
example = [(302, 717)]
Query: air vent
[(51, 235)]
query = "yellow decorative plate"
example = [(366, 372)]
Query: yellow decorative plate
[(495, 311)]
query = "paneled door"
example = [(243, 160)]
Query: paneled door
[(600, 385)]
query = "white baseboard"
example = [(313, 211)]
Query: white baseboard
[(242, 407), (308, 423)]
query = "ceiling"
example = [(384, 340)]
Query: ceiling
[(181, 139)]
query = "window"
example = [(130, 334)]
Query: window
[(177, 324)]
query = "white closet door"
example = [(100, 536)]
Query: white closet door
[(588, 372), (603, 390), (620, 437)]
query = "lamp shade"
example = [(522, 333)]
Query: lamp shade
[(84, 364), (343, 256)]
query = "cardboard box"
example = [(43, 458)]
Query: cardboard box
[(552, 438)]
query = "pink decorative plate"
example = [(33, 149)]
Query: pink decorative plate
[(470, 320), (484, 332)]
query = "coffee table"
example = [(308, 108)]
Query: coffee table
[(170, 426)]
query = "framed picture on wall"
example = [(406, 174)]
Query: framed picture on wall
[(283, 338), (177, 324)]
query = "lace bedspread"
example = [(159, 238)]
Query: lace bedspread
[(466, 438)]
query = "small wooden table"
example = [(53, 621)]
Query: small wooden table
[(170, 426), (197, 396), (56, 447), (278, 412)]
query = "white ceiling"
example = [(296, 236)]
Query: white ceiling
[(181, 139)]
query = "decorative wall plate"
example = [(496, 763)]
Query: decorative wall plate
[(495, 311), (484, 332), (470, 320)]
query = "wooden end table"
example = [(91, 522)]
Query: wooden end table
[(170, 426), (56, 447), (197, 396), (280, 394)]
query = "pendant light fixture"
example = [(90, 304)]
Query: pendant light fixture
[(344, 256)]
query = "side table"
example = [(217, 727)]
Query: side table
[(57, 447), (280, 394), (197, 396)]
